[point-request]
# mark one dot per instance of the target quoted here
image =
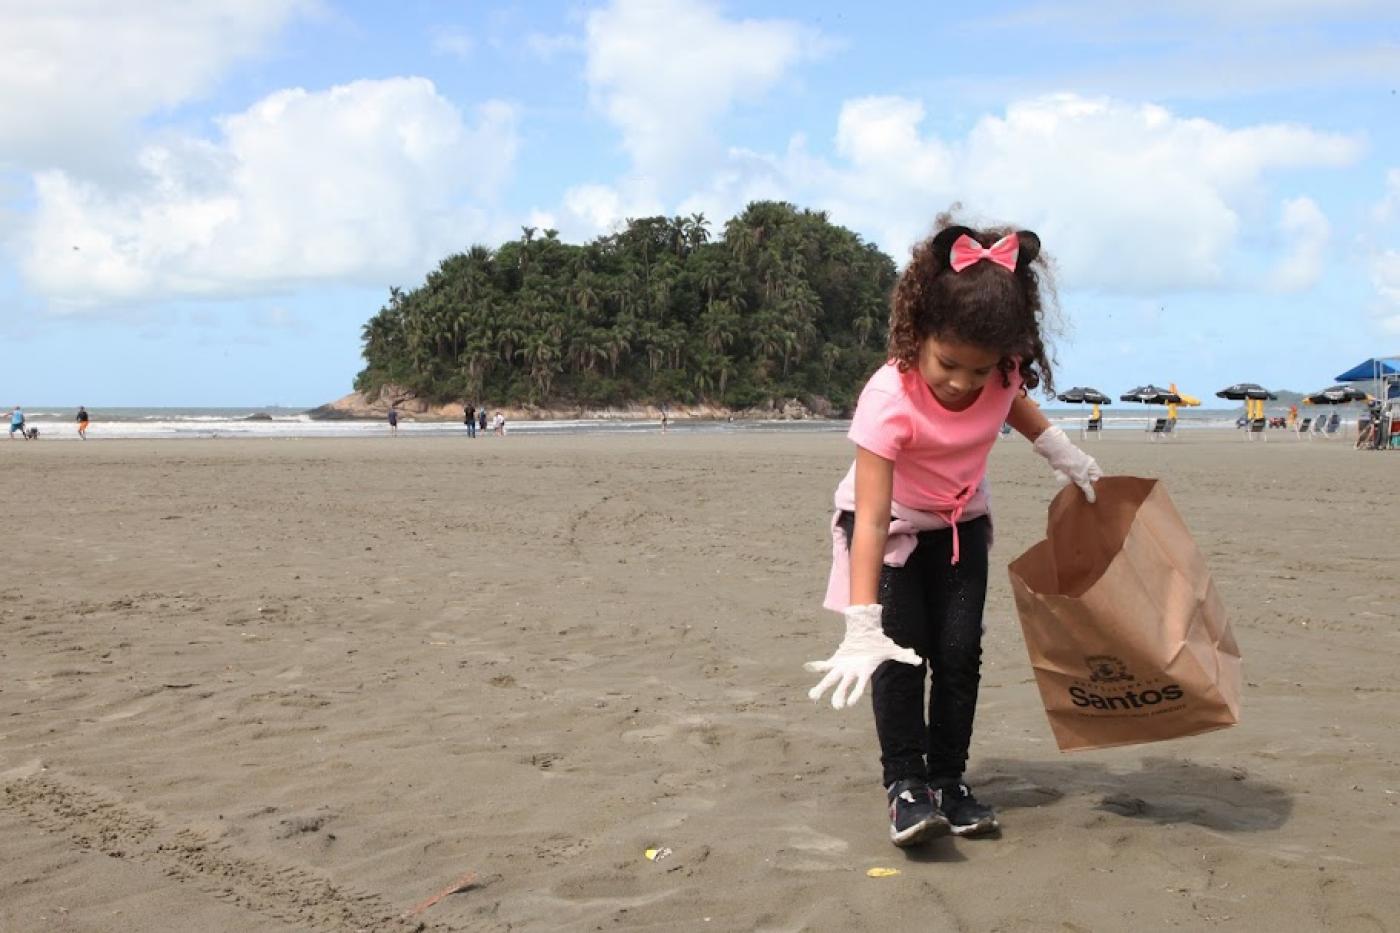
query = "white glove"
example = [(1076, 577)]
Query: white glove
[(865, 647), (1069, 462)]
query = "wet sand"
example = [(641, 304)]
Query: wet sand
[(308, 684)]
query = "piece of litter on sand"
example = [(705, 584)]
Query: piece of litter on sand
[(464, 883), (881, 872), (656, 855)]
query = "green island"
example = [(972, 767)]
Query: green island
[(779, 304)]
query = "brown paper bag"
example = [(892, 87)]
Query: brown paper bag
[(1124, 629)]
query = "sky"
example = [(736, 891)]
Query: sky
[(202, 202)]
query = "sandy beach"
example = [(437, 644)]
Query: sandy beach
[(308, 684)]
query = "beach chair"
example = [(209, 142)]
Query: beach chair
[(1092, 426), (1158, 428), (1258, 426), (1333, 423), (1302, 427), (1170, 429)]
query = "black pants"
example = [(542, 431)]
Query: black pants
[(934, 607)]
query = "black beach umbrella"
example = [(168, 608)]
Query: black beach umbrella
[(1150, 395), (1337, 395), (1249, 393), (1245, 390), (1082, 395)]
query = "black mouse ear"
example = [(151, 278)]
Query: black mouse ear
[(1029, 248), (943, 242)]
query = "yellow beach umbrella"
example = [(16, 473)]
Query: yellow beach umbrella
[(1190, 401)]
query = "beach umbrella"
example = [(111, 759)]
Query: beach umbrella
[(1249, 393), (1150, 395), (1241, 391), (1383, 372), (1372, 369), (1190, 401), (1336, 395), (1082, 395)]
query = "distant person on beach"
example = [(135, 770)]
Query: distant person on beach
[(82, 422), (664, 420), (912, 524), (499, 425), (481, 419), (1369, 430), (17, 423), (469, 419), (1366, 434), (393, 421)]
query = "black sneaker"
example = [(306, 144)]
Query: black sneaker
[(914, 816), (966, 817)]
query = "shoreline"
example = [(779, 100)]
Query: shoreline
[(356, 407), (1121, 428)]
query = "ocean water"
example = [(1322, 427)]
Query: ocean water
[(56, 423)]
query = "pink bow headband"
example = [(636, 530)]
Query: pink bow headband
[(966, 252)]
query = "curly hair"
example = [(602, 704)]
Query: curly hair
[(984, 305)]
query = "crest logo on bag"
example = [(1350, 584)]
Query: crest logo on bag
[(1106, 669)]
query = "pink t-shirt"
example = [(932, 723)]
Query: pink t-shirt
[(940, 455)]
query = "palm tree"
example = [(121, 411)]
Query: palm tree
[(617, 343), (831, 354), (863, 325), (677, 233), (540, 353), (584, 292), (717, 325), (654, 345), (697, 231), (510, 335)]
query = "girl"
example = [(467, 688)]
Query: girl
[(912, 525)]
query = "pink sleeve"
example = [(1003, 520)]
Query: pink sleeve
[(881, 423)]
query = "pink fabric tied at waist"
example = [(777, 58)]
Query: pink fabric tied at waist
[(903, 537)]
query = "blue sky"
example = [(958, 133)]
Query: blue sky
[(201, 202)]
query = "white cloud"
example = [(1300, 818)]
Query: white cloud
[(664, 71), (1304, 223), (1126, 196), (597, 207), (366, 182), (76, 74), (593, 209)]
